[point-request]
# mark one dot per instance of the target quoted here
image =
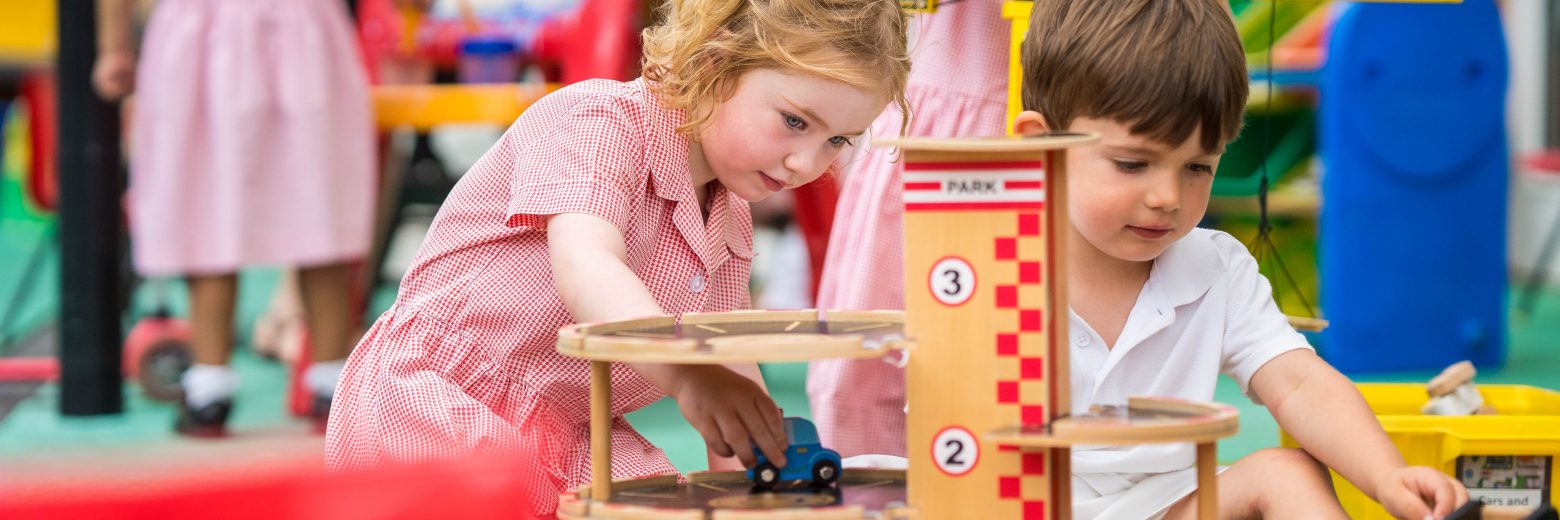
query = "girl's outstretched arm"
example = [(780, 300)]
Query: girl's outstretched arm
[(730, 410)]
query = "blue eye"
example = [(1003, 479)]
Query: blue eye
[(793, 122), (840, 140)]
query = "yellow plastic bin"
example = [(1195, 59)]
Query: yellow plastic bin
[(1506, 459)]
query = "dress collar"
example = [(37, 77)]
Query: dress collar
[(728, 230)]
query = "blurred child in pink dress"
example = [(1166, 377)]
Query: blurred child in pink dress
[(251, 144), (957, 88)]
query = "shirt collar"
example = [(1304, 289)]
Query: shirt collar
[(1185, 271), (666, 150), (1180, 275)]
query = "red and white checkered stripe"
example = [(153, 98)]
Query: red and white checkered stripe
[(1029, 388)]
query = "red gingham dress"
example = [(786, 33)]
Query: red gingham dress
[(957, 87), (464, 361)]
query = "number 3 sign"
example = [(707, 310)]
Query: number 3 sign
[(952, 281)]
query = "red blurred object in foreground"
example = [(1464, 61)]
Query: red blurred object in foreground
[(479, 488)]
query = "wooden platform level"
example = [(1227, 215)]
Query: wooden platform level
[(729, 495)]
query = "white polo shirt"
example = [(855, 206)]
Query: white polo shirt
[(1205, 310)]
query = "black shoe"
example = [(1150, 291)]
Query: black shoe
[(320, 413), (206, 421)]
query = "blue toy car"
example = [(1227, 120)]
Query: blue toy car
[(806, 459)]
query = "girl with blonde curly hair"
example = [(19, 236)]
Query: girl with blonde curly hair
[(609, 200)]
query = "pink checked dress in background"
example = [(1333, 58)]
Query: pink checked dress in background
[(958, 87), (252, 138), (464, 361)]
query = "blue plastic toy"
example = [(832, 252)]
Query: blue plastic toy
[(1413, 238), (806, 459)]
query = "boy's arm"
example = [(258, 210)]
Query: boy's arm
[(1326, 414), (728, 406)]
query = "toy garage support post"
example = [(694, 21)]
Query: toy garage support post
[(601, 430), (986, 311)]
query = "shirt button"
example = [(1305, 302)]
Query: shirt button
[(1081, 339), (696, 283)]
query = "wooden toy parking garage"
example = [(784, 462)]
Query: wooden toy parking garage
[(988, 418)]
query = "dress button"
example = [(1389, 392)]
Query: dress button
[(1081, 339), (696, 283)]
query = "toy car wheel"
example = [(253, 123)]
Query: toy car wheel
[(161, 367), (766, 475), (825, 472)]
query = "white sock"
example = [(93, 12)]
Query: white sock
[(322, 376), (206, 384)]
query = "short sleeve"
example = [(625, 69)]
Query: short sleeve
[(578, 155), (1257, 331)]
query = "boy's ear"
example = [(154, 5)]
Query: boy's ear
[(1030, 122)]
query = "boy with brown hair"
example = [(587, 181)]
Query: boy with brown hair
[(1160, 307)]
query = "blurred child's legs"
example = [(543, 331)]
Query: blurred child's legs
[(328, 302), (210, 383), (1271, 483), (329, 306), (211, 316)]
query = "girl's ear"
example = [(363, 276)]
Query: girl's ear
[(1030, 122)]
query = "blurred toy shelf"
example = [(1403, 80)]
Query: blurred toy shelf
[(1286, 204), (423, 106), (1281, 125), (1285, 52), (27, 34)]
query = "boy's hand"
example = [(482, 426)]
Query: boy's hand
[(1418, 492), (732, 413), (113, 75)]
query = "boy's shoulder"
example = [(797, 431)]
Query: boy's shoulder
[(1210, 243), (1198, 261)]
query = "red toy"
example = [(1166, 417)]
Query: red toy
[(601, 44)]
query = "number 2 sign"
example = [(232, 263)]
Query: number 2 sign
[(955, 451), (952, 281)]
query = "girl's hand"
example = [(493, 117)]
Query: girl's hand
[(731, 412), (113, 76), (1418, 492)]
